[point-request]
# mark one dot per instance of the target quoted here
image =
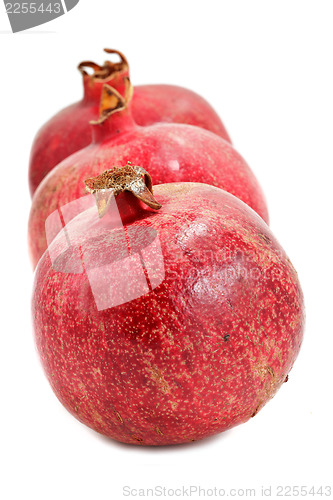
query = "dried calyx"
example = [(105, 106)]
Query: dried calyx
[(109, 68), (112, 101), (118, 179)]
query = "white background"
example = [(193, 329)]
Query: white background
[(267, 69)]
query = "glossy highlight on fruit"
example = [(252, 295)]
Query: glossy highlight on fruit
[(69, 131), (170, 152), (168, 326)]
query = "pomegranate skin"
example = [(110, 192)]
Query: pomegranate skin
[(174, 104), (198, 354), (69, 131), (170, 152)]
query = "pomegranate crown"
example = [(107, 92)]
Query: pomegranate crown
[(118, 179), (108, 70)]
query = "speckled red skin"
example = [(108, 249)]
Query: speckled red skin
[(69, 131), (173, 104), (202, 352), (170, 152)]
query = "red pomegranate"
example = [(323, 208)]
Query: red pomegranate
[(171, 152), (68, 131), (164, 327)]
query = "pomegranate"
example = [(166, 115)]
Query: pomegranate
[(68, 131), (171, 152), (164, 327)]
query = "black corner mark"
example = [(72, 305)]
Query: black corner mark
[(24, 15)]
